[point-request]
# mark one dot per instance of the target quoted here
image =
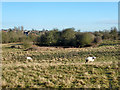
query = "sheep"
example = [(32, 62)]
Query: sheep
[(29, 58), (90, 59)]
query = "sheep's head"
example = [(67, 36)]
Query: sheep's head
[(94, 57)]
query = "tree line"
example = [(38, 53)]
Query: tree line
[(68, 37)]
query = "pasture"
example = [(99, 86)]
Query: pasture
[(53, 67)]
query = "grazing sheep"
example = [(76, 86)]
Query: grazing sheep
[(90, 59), (29, 58)]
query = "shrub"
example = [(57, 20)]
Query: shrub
[(84, 39), (67, 35), (48, 39), (26, 44), (98, 39), (5, 37)]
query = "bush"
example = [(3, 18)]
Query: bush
[(5, 37), (67, 35), (98, 39), (84, 39), (26, 44), (12, 36), (48, 39)]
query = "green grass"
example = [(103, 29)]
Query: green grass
[(60, 68)]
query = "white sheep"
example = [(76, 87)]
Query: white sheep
[(90, 59), (29, 58)]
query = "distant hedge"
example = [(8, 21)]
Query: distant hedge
[(68, 37)]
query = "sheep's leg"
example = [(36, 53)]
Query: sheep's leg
[(86, 61), (91, 61)]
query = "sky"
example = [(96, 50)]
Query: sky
[(60, 0), (83, 16)]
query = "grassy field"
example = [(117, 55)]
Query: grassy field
[(61, 67)]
